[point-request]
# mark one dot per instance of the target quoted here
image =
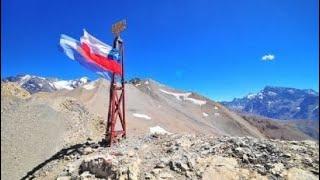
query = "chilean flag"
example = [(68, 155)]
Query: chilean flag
[(92, 54)]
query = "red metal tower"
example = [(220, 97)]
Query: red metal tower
[(117, 93)]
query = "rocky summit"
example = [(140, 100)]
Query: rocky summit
[(174, 156)]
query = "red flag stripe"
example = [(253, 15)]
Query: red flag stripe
[(104, 62)]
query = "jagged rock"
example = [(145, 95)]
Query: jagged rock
[(206, 146), (86, 176), (104, 167), (182, 166), (87, 150), (156, 171), (287, 155), (183, 142), (245, 158), (241, 151), (135, 81), (160, 165), (69, 169), (166, 175), (172, 149), (131, 153), (148, 176), (191, 162), (268, 166), (178, 166), (308, 161), (172, 166), (133, 170), (205, 152), (277, 169), (260, 169), (67, 158), (165, 161)]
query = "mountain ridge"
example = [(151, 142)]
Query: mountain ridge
[(279, 103), (34, 84)]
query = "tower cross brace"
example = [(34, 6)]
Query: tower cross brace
[(117, 93)]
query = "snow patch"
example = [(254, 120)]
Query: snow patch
[(137, 84), (141, 116), (147, 82), (239, 107), (291, 91), (24, 79), (40, 84), (251, 96), (216, 108), (89, 86), (217, 114), (205, 114), (84, 79), (51, 84), (270, 93), (184, 96), (260, 95), (196, 101), (313, 93), (176, 95), (158, 130), (62, 85)]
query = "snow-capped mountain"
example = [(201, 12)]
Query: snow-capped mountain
[(279, 103), (34, 84)]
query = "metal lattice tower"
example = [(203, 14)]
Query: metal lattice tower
[(117, 93)]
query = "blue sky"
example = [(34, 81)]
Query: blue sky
[(208, 46)]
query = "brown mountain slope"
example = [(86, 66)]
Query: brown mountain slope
[(171, 109), (274, 129), (34, 128)]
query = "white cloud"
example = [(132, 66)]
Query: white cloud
[(268, 57)]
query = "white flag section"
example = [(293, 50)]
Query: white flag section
[(95, 45), (69, 45)]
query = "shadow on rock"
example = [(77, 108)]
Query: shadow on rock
[(74, 149)]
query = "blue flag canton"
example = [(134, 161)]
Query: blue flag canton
[(114, 55)]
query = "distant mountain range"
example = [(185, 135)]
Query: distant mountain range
[(272, 102), (279, 103), (34, 84)]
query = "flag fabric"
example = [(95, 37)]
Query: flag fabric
[(92, 54)]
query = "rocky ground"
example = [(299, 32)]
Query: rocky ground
[(185, 157)]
